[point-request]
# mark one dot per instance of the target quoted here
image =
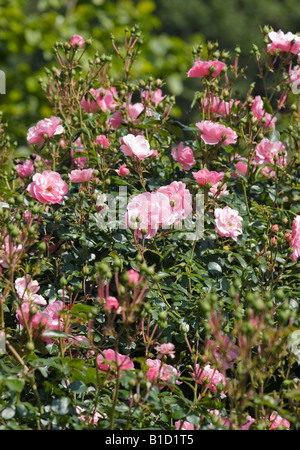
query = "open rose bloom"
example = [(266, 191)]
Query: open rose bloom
[(206, 68), (283, 42), (48, 187), (184, 155), (112, 360), (228, 222), (44, 128), (213, 133), (135, 146)]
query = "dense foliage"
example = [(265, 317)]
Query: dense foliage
[(149, 274)]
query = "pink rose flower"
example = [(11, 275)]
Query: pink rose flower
[(113, 360), (25, 169), (116, 120), (134, 110), (166, 349), (77, 39), (44, 128), (266, 151), (135, 146), (294, 75), (78, 161), (211, 377), (104, 100), (123, 171), (294, 238), (155, 97), (184, 155), (160, 373), (179, 425), (277, 421), (226, 354), (206, 68), (48, 187), (111, 303), (147, 212), (84, 415), (241, 165), (275, 228), (9, 252), (288, 42), (212, 133), (81, 176), (228, 222), (205, 176), (27, 290), (180, 199), (102, 141), (215, 105), (134, 277), (257, 108)]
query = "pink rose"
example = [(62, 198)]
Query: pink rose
[(212, 133), (267, 152), (218, 189), (205, 176), (277, 421), (211, 377), (160, 373), (76, 39), (288, 42), (81, 176), (179, 425), (205, 68), (25, 169), (104, 100), (116, 120), (135, 146), (216, 105), (123, 171), (27, 290), (111, 303), (134, 110), (112, 360), (48, 319), (166, 349), (156, 97), (78, 161), (180, 199), (9, 252), (184, 155), (147, 212), (134, 277), (228, 222), (241, 165), (102, 141), (294, 75), (48, 187), (44, 128), (294, 238), (257, 108)]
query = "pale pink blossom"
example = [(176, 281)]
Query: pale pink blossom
[(81, 176), (147, 212), (27, 289), (111, 303), (211, 377), (79, 162), (100, 100), (180, 199), (215, 105), (155, 97), (162, 374), (167, 349), (275, 228), (77, 39), (179, 425), (267, 152), (184, 155), (116, 120), (228, 222), (82, 415), (9, 252), (278, 421), (241, 165), (294, 75), (25, 169), (43, 129), (284, 42), (294, 239), (259, 113), (218, 190), (206, 68), (134, 277), (102, 141), (213, 133), (123, 170), (135, 146), (205, 176), (134, 110), (48, 187), (111, 360)]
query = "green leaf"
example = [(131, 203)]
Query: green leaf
[(214, 267)]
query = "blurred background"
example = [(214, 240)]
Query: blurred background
[(171, 29)]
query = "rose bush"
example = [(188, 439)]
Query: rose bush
[(150, 269)]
